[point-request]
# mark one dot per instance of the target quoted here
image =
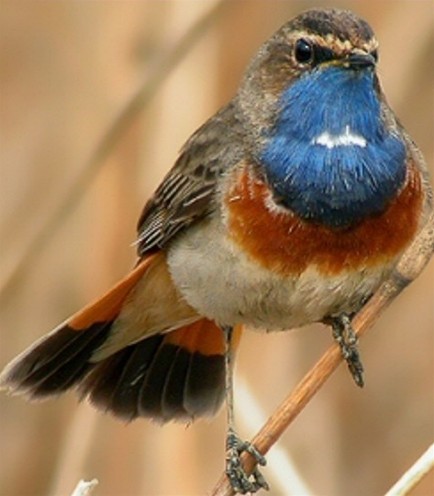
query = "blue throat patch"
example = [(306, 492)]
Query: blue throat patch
[(329, 157)]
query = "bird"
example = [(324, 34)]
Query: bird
[(289, 206)]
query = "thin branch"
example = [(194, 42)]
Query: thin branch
[(414, 474), (409, 267), (284, 474), (108, 143)]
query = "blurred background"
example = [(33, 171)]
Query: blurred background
[(67, 71)]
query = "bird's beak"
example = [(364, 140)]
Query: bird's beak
[(359, 60)]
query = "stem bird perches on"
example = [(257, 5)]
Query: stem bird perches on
[(407, 270)]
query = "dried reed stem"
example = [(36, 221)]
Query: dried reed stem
[(411, 478), (85, 488)]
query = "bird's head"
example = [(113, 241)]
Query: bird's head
[(310, 47), (317, 121)]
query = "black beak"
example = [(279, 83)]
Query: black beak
[(360, 60)]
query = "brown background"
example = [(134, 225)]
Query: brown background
[(66, 70)]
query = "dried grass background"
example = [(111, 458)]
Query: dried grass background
[(66, 70)]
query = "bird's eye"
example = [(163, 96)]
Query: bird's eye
[(374, 53), (303, 51)]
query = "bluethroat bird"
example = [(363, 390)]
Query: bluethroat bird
[(289, 206)]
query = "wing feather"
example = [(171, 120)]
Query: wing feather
[(188, 191)]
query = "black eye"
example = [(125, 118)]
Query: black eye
[(303, 51)]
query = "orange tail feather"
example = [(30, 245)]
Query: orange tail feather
[(164, 376)]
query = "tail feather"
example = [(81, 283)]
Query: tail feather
[(69, 372), (60, 359), (173, 376), (114, 383), (125, 396), (108, 352), (55, 363), (173, 392), (205, 384), (158, 379), (152, 390)]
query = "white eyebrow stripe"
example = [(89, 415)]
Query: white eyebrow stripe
[(347, 138)]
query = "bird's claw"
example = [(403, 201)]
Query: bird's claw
[(346, 338), (240, 480)]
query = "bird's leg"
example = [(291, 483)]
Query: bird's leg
[(346, 338), (240, 480)]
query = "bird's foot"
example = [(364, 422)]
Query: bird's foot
[(346, 338), (240, 480)]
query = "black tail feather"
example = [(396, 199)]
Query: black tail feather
[(114, 384), (152, 378), (172, 395), (151, 392), (204, 385), (157, 380), (55, 363)]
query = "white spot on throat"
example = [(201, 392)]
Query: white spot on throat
[(347, 138)]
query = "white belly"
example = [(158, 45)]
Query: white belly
[(221, 283)]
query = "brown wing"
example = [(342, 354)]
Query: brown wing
[(187, 192)]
